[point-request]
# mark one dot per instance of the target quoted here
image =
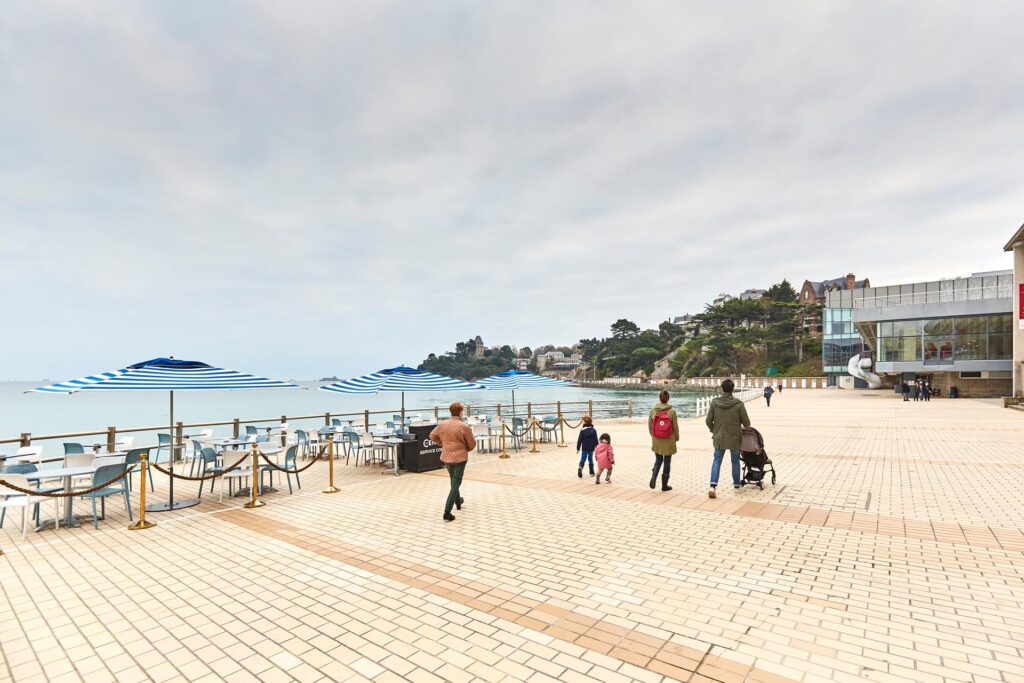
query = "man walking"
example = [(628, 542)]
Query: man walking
[(663, 425), (768, 391), (905, 390), (726, 419)]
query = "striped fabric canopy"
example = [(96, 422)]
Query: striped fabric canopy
[(401, 379), (165, 374), (520, 379)]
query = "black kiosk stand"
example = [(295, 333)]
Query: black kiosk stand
[(420, 454)]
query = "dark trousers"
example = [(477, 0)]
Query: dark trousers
[(455, 471), (768, 400), (660, 460)]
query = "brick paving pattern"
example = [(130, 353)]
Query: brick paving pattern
[(889, 550)]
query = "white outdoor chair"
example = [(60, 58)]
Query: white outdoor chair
[(13, 499), (242, 471), (32, 454), (127, 442), (80, 460), (482, 434)]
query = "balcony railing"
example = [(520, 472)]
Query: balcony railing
[(941, 296)]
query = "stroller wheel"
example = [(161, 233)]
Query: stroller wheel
[(760, 485)]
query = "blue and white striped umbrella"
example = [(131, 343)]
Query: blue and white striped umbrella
[(401, 379), (166, 374), (520, 379)]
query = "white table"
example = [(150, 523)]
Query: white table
[(67, 474), (392, 443)]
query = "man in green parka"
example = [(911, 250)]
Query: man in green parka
[(663, 425), (726, 419)]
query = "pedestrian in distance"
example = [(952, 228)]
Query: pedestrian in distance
[(926, 387), (663, 426), (780, 387), (905, 390), (605, 459), (726, 419), (586, 442), (457, 440), (768, 391)]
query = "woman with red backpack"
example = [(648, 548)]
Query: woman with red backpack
[(663, 424)]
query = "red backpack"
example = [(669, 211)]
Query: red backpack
[(662, 425)]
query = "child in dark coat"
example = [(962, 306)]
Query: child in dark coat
[(586, 442)]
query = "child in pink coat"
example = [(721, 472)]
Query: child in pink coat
[(605, 457)]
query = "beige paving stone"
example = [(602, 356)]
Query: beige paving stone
[(876, 556)]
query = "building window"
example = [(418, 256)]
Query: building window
[(945, 340)]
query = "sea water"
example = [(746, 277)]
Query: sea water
[(96, 410)]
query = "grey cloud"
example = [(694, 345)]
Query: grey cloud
[(332, 187)]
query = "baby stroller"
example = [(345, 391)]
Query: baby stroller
[(756, 463)]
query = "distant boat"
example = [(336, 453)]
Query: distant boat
[(328, 379)]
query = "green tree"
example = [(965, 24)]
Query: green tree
[(782, 292), (623, 328)]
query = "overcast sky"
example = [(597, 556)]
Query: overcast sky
[(301, 189)]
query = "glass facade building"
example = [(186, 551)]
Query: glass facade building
[(839, 341), (943, 341), (955, 333)]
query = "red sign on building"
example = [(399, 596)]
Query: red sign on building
[(1020, 302)]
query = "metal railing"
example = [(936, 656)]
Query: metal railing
[(936, 297), (744, 394), (601, 408)]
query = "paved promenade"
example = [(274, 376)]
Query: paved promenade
[(889, 550)]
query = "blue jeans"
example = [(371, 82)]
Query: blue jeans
[(716, 466), (587, 456)]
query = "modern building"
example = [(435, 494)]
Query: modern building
[(954, 332), (1016, 245)]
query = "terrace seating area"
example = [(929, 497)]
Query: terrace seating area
[(874, 550)]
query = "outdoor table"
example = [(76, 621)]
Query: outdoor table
[(67, 474), (273, 455), (393, 443), (223, 444)]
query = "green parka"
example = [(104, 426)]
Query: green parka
[(726, 420), (663, 446)]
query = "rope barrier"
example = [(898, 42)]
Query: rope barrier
[(202, 478), (576, 426), (277, 467), (526, 430), (66, 494)]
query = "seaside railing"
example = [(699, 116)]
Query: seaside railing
[(610, 408)]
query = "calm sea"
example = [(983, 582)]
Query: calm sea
[(92, 411)]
